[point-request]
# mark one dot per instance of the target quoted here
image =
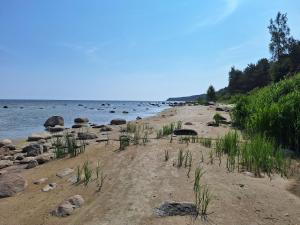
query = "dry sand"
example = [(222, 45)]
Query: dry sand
[(138, 180)]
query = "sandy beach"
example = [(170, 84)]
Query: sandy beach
[(138, 179)]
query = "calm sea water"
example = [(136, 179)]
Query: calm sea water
[(24, 117)]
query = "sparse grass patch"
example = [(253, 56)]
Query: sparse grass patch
[(166, 155), (206, 142), (87, 173)]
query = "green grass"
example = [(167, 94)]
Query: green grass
[(168, 129), (124, 142), (258, 154), (273, 111), (206, 142), (87, 173), (219, 119)]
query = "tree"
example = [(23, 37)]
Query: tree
[(235, 79), (280, 36), (211, 93)]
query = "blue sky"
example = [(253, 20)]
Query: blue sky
[(130, 49)]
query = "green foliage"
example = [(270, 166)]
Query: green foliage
[(258, 155), (206, 142), (87, 173), (211, 93), (219, 119), (68, 145), (124, 142), (168, 129), (203, 196), (273, 111)]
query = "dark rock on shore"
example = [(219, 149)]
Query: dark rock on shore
[(54, 121), (75, 126), (138, 118), (176, 209), (81, 120), (187, 132), (32, 164), (118, 122), (33, 149), (11, 184), (57, 128), (105, 129), (87, 136)]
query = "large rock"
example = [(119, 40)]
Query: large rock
[(5, 163), (186, 132), (54, 121), (5, 142), (67, 207), (65, 172), (33, 149), (105, 129), (57, 128), (86, 136), (32, 164), (38, 137), (118, 122), (176, 209), (81, 120), (44, 158), (10, 184), (80, 125)]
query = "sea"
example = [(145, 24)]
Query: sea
[(20, 118)]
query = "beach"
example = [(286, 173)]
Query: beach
[(139, 179)]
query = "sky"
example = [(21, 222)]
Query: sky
[(130, 49)]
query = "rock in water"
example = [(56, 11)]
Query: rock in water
[(86, 136), (81, 120), (54, 121), (10, 184), (176, 209), (67, 207), (118, 122), (187, 132)]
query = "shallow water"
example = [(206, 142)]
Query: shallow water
[(24, 117)]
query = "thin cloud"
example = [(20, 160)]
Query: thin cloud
[(229, 8)]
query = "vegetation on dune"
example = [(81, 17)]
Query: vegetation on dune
[(273, 111)]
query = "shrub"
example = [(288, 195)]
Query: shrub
[(273, 111)]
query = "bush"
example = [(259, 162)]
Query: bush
[(273, 111)]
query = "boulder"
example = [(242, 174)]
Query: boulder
[(10, 184), (86, 136), (44, 158), (54, 121), (49, 187), (5, 163), (65, 172), (10, 147), (33, 150), (212, 124), (176, 209), (67, 207), (57, 128), (26, 160), (105, 129), (38, 137), (81, 120), (118, 122), (79, 126), (187, 132), (5, 142), (188, 123), (219, 109), (32, 164), (138, 118), (19, 156)]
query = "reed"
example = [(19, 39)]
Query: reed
[(87, 173)]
